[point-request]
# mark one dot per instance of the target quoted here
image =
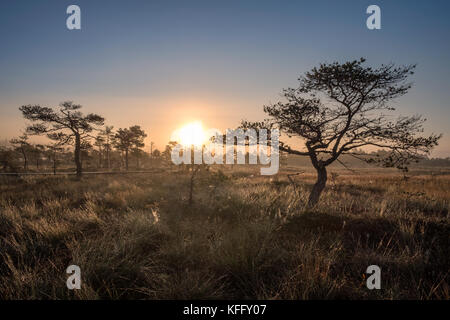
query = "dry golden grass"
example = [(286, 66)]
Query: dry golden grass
[(245, 236)]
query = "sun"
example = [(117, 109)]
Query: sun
[(191, 134)]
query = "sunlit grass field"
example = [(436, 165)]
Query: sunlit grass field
[(244, 236)]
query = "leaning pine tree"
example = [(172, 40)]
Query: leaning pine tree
[(339, 108), (65, 125)]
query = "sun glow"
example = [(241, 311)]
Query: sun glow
[(191, 134)]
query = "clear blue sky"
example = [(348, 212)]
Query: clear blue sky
[(163, 63)]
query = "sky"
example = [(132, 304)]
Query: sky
[(161, 64)]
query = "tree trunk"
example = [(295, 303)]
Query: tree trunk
[(318, 187), (126, 159), (100, 160), (78, 155), (108, 159), (25, 160), (151, 154)]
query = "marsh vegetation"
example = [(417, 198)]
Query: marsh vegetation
[(245, 236)]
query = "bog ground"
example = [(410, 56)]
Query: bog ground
[(244, 236)]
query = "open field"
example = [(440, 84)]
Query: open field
[(244, 236)]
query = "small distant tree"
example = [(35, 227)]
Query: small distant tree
[(86, 151), (36, 151), (22, 146), (156, 153), (151, 152), (340, 107), (129, 139), (137, 154), (52, 151), (66, 125), (138, 143), (167, 153), (123, 142), (108, 136), (100, 143), (7, 159)]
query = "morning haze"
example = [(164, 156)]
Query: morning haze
[(166, 65)]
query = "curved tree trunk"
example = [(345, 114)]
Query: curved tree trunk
[(78, 155), (318, 187)]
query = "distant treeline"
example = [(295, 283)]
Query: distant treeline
[(358, 161), (20, 155)]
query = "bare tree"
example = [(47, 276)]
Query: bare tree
[(67, 125), (339, 107), (22, 145)]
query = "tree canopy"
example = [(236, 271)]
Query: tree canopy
[(67, 125), (341, 107)]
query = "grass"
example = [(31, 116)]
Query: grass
[(244, 237)]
